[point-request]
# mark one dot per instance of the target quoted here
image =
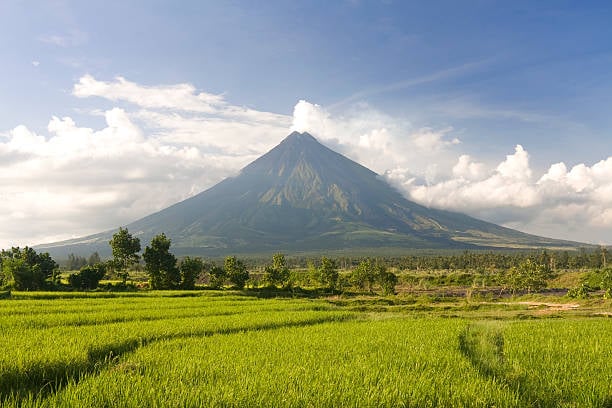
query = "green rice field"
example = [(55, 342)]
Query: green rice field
[(208, 348)]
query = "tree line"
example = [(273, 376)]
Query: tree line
[(494, 261), (165, 272), (24, 269)]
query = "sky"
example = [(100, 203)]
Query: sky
[(112, 110)]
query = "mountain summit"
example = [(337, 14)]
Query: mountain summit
[(303, 196)]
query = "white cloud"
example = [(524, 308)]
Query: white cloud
[(181, 97), (77, 180), (162, 144), (571, 204), (376, 140), (466, 168)]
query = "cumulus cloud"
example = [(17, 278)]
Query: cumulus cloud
[(162, 144), (573, 204), (167, 143), (180, 97), (426, 165), (378, 141)]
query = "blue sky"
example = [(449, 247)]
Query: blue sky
[(418, 84)]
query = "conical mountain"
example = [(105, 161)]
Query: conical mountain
[(303, 196)]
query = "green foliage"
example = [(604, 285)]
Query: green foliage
[(277, 274), (125, 252), (217, 277), (88, 277), (75, 262), (579, 292), (24, 269), (313, 274), (368, 273), (94, 259), (528, 276), (190, 269), (160, 264), (364, 275), (236, 271), (606, 283), (328, 273), (387, 281)]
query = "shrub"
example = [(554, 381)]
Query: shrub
[(579, 292), (88, 277)]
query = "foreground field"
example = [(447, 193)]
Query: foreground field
[(213, 349)]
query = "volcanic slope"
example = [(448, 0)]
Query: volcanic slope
[(303, 196)]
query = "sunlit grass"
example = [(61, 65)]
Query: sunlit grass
[(227, 349)]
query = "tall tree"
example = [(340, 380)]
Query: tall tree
[(217, 277), (160, 264), (364, 275), (328, 272), (24, 269), (386, 279), (190, 269), (125, 252), (94, 259), (277, 273), (236, 271)]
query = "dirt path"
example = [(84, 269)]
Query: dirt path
[(549, 307)]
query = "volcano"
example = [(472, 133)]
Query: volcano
[(303, 197)]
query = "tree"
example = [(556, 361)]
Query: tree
[(314, 274), (277, 274), (190, 269), (528, 275), (160, 264), (125, 252), (75, 262), (217, 277), (88, 277), (328, 273), (94, 259), (236, 271), (387, 280), (364, 275), (24, 269), (563, 261)]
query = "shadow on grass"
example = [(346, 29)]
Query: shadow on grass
[(296, 292), (42, 379), (483, 345)]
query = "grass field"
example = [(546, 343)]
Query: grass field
[(228, 349)]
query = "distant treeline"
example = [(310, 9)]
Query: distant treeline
[(481, 261), (25, 269)]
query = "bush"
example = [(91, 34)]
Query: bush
[(217, 277), (24, 269), (328, 273), (88, 277), (190, 269), (278, 273), (579, 292), (236, 271), (387, 281)]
